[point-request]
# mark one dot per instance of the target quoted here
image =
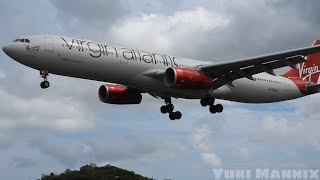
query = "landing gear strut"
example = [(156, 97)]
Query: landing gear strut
[(209, 101), (45, 83), (169, 108)]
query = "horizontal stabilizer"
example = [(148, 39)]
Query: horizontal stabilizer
[(313, 88)]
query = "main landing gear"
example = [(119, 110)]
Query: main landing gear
[(209, 101), (206, 101), (45, 83), (168, 108)]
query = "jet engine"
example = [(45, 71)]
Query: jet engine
[(119, 94), (187, 78)]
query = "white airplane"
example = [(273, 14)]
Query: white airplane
[(131, 72)]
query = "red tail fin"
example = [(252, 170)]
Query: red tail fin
[(309, 70)]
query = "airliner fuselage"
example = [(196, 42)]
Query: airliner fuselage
[(148, 72)]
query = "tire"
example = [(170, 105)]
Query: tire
[(164, 109), (219, 108), (172, 116), (213, 109), (170, 108), (178, 115), (42, 85), (210, 101), (204, 102), (46, 84)]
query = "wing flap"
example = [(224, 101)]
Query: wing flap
[(226, 72), (219, 69), (247, 72)]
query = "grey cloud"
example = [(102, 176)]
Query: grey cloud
[(240, 36), (256, 28), (112, 148), (82, 13), (308, 10), (69, 153), (109, 11), (22, 18), (163, 6), (6, 140), (22, 162), (116, 148)]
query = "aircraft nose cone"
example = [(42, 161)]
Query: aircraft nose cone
[(8, 50), (5, 49)]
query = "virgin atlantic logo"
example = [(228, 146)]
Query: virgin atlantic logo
[(33, 49), (307, 71)]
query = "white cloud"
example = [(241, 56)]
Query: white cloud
[(199, 138), (274, 126), (297, 128), (166, 33), (200, 141), (43, 113), (211, 159)]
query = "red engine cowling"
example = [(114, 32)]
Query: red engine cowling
[(118, 94), (187, 78)]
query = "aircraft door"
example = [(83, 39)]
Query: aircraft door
[(49, 44)]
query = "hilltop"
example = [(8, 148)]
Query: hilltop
[(92, 172)]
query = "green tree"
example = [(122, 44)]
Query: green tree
[(92, 172)]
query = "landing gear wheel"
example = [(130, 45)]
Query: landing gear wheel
[(219, 108), (164, 109), (175, 115), (178, 115), (44, 74), (170, 108), (213, 109), (44, 84), (209, 101), (172, 116), (167, 109), (204, 102)]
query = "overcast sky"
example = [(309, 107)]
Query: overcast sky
[(65, 126)]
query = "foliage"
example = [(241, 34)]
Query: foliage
[(92, 172)]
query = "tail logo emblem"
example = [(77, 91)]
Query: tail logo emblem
[(305, 72)]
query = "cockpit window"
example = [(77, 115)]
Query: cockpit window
[(22, 40)]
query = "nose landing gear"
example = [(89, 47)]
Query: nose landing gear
[(169, 108), (45, 83)]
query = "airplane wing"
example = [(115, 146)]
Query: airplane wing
[(226, 72), (155, 73)]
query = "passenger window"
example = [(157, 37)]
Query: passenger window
[(21, 40), (27, 40)]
